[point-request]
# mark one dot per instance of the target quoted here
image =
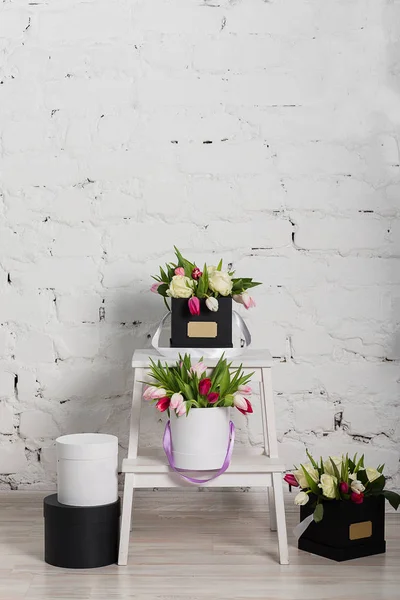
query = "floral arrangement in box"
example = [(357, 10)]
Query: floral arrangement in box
[(185, 386), (183, 279), (338, 478)]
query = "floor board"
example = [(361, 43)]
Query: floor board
[(191, 546)]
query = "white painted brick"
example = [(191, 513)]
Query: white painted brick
[(13, 22), (48, 458), (345, 235), (71, 241), (12, 458), (29, 307), (82, 21), (225, 158), (36, 424), (6, 384), (28, 387), (34, 347), (6, 419), (79, 308), (58, 273), (314, 415), (81, 340)]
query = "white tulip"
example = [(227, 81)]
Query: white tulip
[(212, 304), (301, 499), (176, 400), (239, 401), (357, 486)]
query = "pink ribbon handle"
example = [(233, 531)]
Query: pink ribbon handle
[(167, 445)]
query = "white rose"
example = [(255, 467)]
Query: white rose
[(372, 474), (357, 486), (219, 281), (328, 485), (301, 478), (180, 287), (301, 499), (328, 467)]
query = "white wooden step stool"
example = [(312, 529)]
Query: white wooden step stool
[(151, 470)]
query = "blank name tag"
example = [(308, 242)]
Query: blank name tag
[(360, 530), (202, 329)]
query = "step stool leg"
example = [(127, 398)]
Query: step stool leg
[(271, 509), (280, 519), (126, 519)]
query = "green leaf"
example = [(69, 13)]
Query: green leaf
[(219, 267), (312, 461), (318, 513), (335, 470), (377, 485), (164, 276), (162, 289), (310, 482), (362, 476), (187, 265), (394, 499), (380, 468)]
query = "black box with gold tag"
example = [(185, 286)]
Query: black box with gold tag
[(347, 530), (207, 330)]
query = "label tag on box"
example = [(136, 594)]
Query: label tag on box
[(202, 329), (358, 531)]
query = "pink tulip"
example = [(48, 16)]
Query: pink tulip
[(196, 273), (198, 369), (194, 305), (357, 498), (155, 286), (176, 400), (344, 487), (245, 299), (179, 271), (249, 408), (204, 386), (291, 480), (245, 389), (152, 392), (213, 397), (163, 404), (239, 401), (181, 410)]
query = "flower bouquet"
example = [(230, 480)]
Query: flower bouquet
[(201, 302), (200, 438), (341, 507)]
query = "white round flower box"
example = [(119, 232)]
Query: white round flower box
[(200, 440), (87, 469)]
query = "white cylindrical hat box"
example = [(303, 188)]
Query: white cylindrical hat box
[(200, 439), (87, 469)]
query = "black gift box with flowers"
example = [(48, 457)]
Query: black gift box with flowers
[(347, 530), (205, 330), (201, 302)]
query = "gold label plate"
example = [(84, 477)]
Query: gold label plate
[(359, 531), (202, 329)]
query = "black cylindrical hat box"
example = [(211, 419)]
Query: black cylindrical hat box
[(80, 537)]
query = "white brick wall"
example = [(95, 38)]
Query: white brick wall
[(266, 132)]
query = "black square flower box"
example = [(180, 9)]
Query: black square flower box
[(206, 330), (347, 530)]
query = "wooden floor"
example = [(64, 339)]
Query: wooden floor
[(213, 545)]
